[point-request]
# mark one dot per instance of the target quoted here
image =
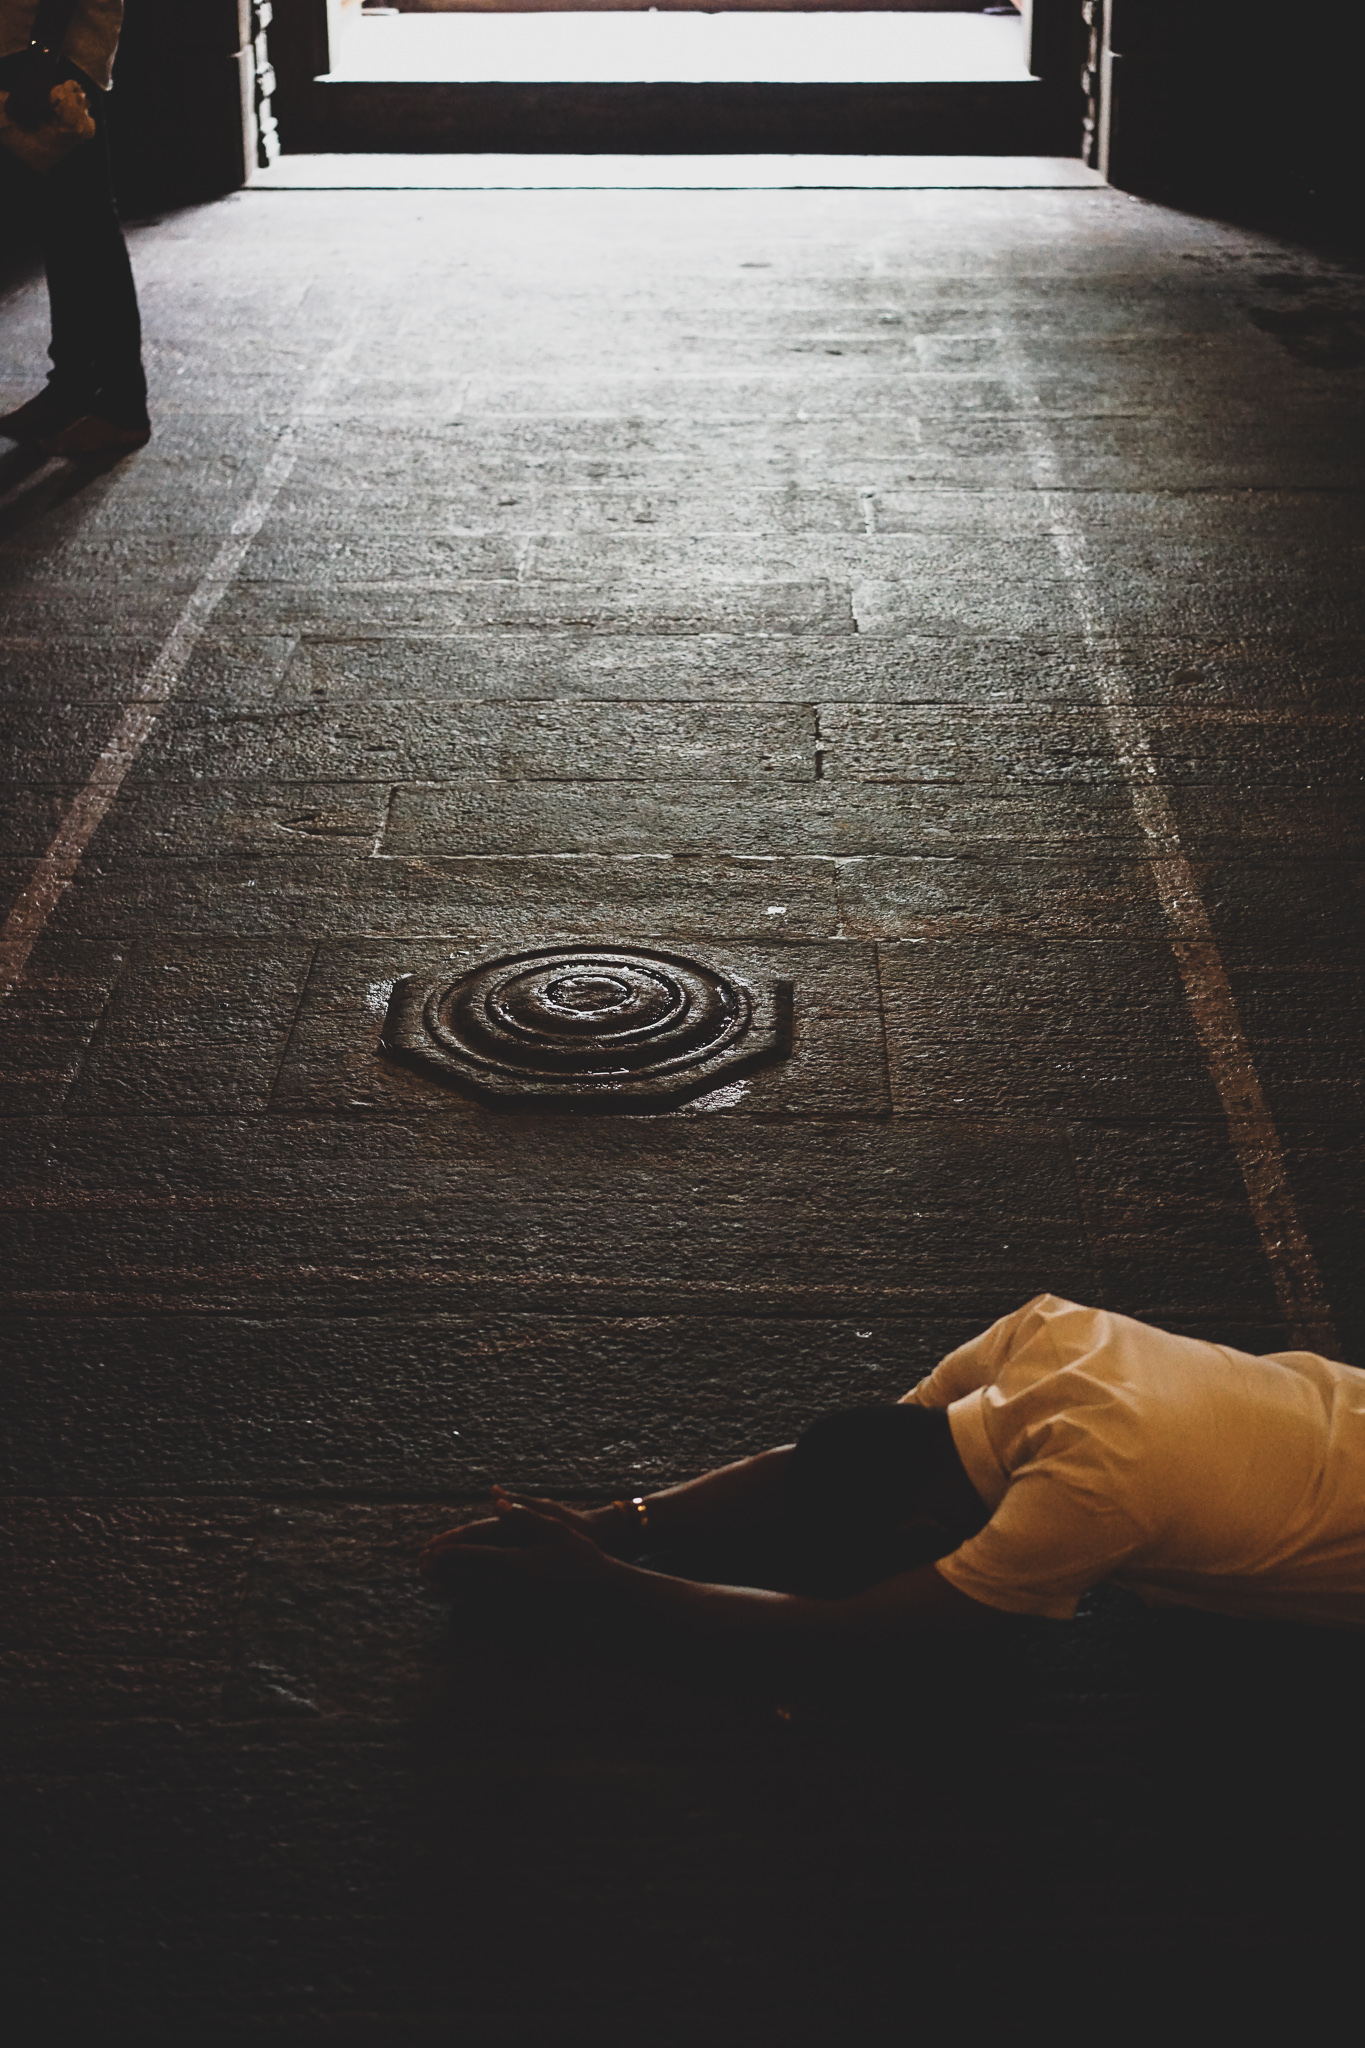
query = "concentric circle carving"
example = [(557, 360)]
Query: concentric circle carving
[(606, 1014), (587, 1027)]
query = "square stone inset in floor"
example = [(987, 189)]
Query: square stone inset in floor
[(837, 1063)]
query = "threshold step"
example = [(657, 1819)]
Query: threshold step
[(678, 81), (356, 171)]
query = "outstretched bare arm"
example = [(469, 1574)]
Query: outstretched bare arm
[(551, 1552), (916, 1599), (730, 1503)]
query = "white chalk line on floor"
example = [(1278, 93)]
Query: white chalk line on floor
[(1256, 1140), (53, 874)]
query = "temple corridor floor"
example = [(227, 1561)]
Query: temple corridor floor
[(944, 602)]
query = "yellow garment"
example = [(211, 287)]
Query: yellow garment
[(1194, 1474)]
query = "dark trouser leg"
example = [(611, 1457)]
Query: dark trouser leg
[(96, 346)]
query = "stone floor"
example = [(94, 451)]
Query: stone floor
[(947, 602)]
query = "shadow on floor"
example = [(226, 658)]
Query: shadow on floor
[(32, 484), (385, 1823)]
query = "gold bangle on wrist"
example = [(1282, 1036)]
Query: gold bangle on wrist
[(635, 1514)]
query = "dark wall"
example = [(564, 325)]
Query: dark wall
[(179, 110), (180, 115), (1212, 102), (299, 51)]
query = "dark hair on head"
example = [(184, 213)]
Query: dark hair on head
[(855, 1476)]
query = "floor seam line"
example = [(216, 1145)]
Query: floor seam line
[(305, 983)]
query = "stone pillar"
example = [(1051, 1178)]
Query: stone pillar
[(191, 114), (1201, 101), (305, 36), (1054, 41)]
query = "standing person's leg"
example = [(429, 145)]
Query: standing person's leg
[(96, 398), (96, 327)]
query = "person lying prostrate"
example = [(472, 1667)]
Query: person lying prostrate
[(1062, 1447)]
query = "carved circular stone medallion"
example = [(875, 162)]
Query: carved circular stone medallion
[(588, 1028)]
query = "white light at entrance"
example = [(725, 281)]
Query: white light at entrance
[(600, 47)]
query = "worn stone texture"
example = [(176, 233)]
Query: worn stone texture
[(46, 1025), (665, 569), (410, 1404), (497, 903), (576, 742), (1095, 1029), (464, 1207), (121, 1606)]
